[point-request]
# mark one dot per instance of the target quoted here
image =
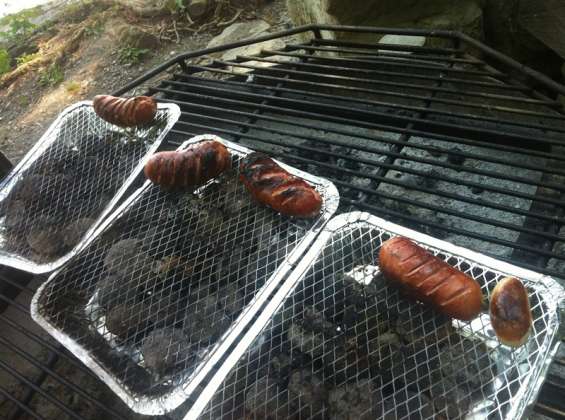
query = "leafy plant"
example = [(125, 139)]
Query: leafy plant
[(94, 30), (51, 76), (26, 58), (72, 87), (131, 55), (19, 28), (4, 61)]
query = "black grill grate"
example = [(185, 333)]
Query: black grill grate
[(452, 139)]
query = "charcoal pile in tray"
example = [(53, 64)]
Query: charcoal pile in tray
[(170, 276), (359, 352), (59, 197)]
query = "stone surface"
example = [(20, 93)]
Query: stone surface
[(132, 36), (148, 7), (464, 15), (239, 31)]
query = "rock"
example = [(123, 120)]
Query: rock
[(463, 15), (239, 31), (148, 8), (132, 36), (198, 8), (413, 41)]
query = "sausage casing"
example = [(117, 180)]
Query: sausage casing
[(188, 168), (125, 112), (429, 279), (273, 186)]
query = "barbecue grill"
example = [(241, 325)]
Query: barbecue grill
[(451, 139)]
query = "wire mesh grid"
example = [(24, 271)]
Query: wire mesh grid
[(154, 294), (68, 180), (345, 345)]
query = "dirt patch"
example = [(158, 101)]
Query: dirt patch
[(94, 64)]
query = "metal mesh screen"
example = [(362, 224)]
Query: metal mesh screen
[(344, 345), (59, 192), (151, 297)]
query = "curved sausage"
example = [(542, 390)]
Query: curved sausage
[(429, 279), (272, 186), (188, 168), (125, 112)]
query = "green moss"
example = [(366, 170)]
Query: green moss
[(51, 76), (4, 61), (26, 58)]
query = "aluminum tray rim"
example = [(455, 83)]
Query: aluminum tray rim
[(144, 404), (21, 263), (528, 392)]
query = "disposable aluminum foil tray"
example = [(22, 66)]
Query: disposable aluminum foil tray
[(68, 182), (163, 288), (337, 342)]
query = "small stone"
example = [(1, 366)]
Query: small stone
[(239, 31)]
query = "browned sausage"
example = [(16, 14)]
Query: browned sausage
[(272, 186), (188, 168), (429, 279), (510, 313), (125, 112)]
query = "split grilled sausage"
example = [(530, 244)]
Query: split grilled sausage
[(272, 186), (510, 313), (125, 112), (429, 279), (188, 168)]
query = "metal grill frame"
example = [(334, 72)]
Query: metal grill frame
[(145, 404), (17, 287), (551, 293), (51, 137)]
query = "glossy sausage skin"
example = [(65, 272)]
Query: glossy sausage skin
[(191, 167), (510, 313), (429, 279), (125, 112), (272, 186)]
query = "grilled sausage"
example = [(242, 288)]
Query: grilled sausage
[(188, 168), (125, 112), (429, 279), (272, 186), (510, 313)]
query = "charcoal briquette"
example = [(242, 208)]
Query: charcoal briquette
[(126, 319), (355, 401), (449, 399), (165, 349), (16, 214), (407, 404), (45, 240), (264, 401), (74, 231), (308, 342)]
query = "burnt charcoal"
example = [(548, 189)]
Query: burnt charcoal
[(74, 231), (407, 404), (29, 188), (280, 368), (315, 321), (358, 401), (173, 268), (45, 240), (308, 342), (307, 395), (449, 399), (347, 361), (230, 300), (464, 364), (414, 324), (385, 350), (204, 320), (165, 349), (232, 266), (114, 290), (16, 214), (152, 239), (263, 401), (209, 221), (125, 256), (363, 284), (125, 320)]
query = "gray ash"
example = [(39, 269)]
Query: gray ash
[(358, 401), (126, 319), (450, 399), (45, 240), (125, 256), (15, 214), (307, 395), (165, 349), (205, 321), (308, 342), (263, 401)]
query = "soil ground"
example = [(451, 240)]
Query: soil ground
[(93, 66)]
